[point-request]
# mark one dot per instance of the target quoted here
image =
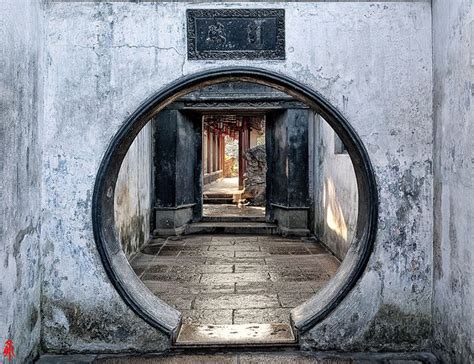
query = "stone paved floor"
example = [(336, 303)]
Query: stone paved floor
[(234, 279), (224, 185)]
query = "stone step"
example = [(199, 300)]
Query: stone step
[(218, 195), (218, 200), (233, 219), (244, 335), (257, 228)]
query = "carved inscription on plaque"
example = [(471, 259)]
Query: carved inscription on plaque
[(236, 33)]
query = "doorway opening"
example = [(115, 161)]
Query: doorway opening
[(271, 283), (234, 166), (235, 248)]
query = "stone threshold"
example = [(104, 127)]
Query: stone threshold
[(242, 335), (286, 356)]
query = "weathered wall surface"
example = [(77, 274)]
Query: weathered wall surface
[(380, 79), (371, 60), (133, 194), (453, 309), (21, 38), (83, 109), (335, 193)]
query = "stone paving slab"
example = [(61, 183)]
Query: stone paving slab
[(211, 254), (283, 244), (223, 317), (290, 259), (158, 268), (190, 288), (264, 268), (318, 276), (234, 238), (236, 247), (289, 276), (179, 260), (285, 250), (260, 260), (211, 243), (180, 302), (262, 315), (247, 254), (269, 287), (291, 300), (236, 301), (151, 250), (263, 238), (184, 278), (214, 278), (200, 268)]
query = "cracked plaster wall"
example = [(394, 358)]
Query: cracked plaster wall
[(453, 309), (21, 37), (104, 59)]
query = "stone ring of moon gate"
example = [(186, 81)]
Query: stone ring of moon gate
[(156, 312)]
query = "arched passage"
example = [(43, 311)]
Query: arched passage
[(156, 312)]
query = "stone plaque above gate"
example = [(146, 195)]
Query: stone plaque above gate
[(236, 34)]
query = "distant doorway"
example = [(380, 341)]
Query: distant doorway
[(234, 165)]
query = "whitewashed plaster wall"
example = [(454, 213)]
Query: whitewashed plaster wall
[(453, 297), (21, 103), (336, 194), (133, 194), (104, 59)]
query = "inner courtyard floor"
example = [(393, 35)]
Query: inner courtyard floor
[(223, 185), (233, 210), (234, 279)]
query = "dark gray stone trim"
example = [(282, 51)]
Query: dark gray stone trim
[(136, 295), (240, 105)]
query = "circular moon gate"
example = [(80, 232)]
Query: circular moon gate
[(149, 307)]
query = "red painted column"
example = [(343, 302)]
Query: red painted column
[(208, 157), (241, 175)]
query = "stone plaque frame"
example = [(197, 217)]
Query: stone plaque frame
[(241, 51)]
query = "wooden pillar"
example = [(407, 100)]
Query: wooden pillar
[(208, 152), (204, 152), (244, 145), (214, 153), (222, 152), (241, 175), (218, 152)]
